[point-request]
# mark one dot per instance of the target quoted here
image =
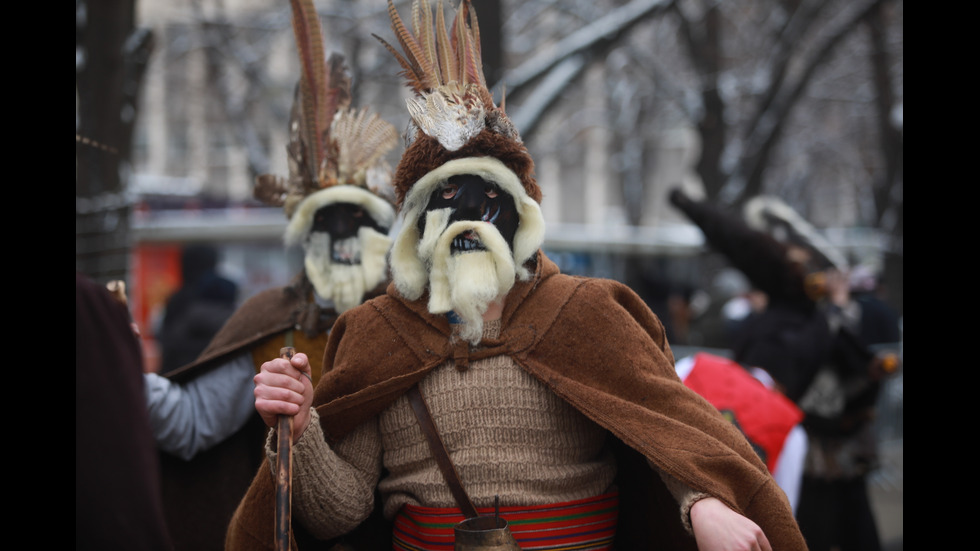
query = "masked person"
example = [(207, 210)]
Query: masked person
[(554, 396), (807, 339), (337, 201), (839, 397)]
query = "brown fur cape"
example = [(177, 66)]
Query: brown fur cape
[(595, 344)]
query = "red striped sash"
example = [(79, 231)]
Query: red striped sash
[(581, 525)]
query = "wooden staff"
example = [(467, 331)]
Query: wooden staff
[(284, 471)]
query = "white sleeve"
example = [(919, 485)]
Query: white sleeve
[(788, 471), (194, 416)]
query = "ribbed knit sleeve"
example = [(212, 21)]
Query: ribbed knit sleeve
[(685, 496), (333, 488)]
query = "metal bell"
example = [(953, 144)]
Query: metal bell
[(488, 533)]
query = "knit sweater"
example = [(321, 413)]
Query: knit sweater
[(507, 434)]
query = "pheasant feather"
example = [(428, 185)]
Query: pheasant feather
[(422, 23), (443, 66), (329, 143), (307, 33), (417, 67), (444, 51), (362, 139)]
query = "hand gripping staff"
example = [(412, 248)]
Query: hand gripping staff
[(284, 471)]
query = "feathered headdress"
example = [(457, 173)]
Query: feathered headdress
[(455, 129), (453, 113), (773, 216), (330, 143), (758, 255)]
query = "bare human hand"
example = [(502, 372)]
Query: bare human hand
[(718, 528), (285, 387), (838, 287)]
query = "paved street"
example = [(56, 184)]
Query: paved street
[(886, 488)]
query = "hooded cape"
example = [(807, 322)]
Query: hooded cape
[(595, 344)]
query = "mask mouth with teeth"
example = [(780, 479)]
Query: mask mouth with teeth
[(346, 251), (467, 241), (343, 271)]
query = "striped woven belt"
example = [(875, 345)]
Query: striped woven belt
[(582, 525)]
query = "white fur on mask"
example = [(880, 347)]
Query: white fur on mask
[(346, 284), (301, 223), (467, 282)]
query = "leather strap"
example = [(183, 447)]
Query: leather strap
[(439, 452)]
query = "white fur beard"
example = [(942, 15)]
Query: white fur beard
[(346, 284), (467, 282)]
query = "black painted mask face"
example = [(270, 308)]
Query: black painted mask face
[(473, 198), (343, 221)]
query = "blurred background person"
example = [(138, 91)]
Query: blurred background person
[(841, 407), (808, 338), (197, 309)]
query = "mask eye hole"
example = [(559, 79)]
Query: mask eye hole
[(491, 190), (449, 191)]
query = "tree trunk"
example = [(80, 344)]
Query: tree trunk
[(110, 59)]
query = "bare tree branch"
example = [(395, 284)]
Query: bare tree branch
[(702, 42), (222, 44), (889, 134), (606, 29), (747, 179), (799, 24), (110, 60), (547, 93)]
